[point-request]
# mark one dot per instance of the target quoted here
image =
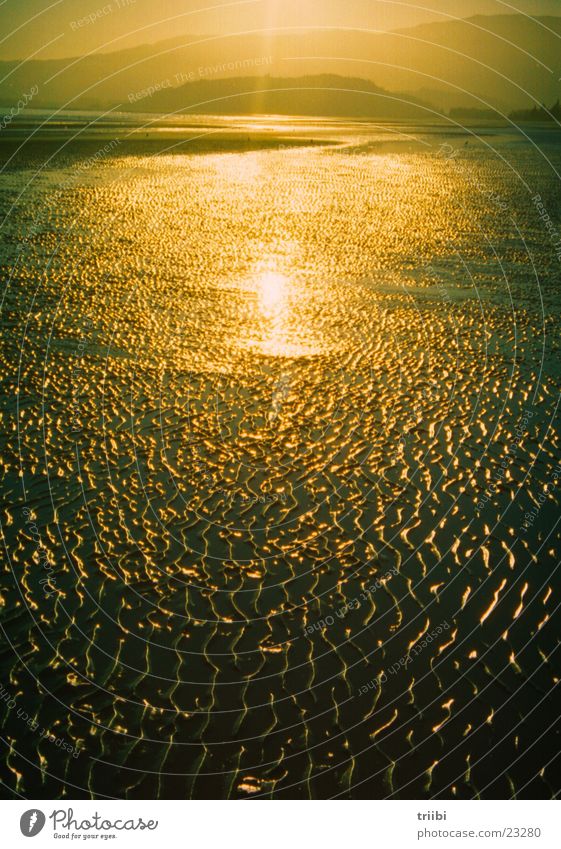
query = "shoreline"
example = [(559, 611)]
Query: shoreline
[(160, 143)]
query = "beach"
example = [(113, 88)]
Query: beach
[(279, 397)]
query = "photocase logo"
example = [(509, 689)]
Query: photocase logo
[(32, 822)]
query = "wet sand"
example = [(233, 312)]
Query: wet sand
[(278, 415)]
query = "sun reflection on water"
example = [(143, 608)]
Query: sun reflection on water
[(273, 291), (283, 321)]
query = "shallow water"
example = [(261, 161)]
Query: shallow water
[(278, 417)]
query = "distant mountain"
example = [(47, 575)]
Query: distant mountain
[(508, 61), (326, 95), (504, 59), (539, 114)]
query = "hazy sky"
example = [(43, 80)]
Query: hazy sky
[(56, 28)]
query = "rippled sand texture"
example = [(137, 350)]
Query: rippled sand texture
[(253, 401)]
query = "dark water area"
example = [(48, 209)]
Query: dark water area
[(280, 462)]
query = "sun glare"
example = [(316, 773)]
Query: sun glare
[(272, 294)]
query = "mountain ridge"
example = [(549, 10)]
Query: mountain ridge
[(327, 95), (462, 62)]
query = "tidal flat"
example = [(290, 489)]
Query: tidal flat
[(278, 398)]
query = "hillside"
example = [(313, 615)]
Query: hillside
[(508, 61), (323, 94)]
